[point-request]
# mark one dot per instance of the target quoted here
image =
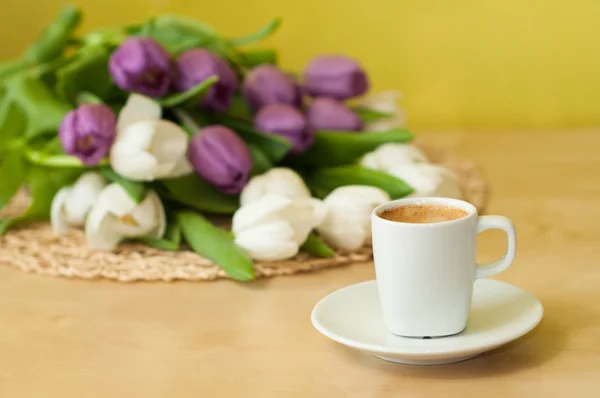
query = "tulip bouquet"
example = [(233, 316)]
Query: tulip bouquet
[(145, 132)]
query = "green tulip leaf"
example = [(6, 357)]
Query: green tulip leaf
[(216, 244), (110, 37), (316, 247), (43, 184), (325, 180), (13, 173), (173, 232), (6, 223), (370, 115), (85, 97), (87, 72), (43, 110), (171, 241), (261, 34), (178, 34), (273, 145), (47, 70), (252, 58), (12, 123), (12, 67), (193, 191), (227, 51), (135, 190), (173, 36), (55, 37), (336, 148), (193, 96), (46, 159), (239, 108), (260, 160), (159, 243), (186, 25)]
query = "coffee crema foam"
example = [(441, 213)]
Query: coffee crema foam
[(423, 214)]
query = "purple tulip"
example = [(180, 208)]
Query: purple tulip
[(335, 76), (329, 114), (141, 65), (88, 132), (197, 65), (221, 157), (287, 122), (267, 84)]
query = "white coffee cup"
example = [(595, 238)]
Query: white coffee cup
[(425, 272)]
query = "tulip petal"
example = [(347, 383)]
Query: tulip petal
[(136, 166), (148, 150), (387, 156), (137, 108), (129, 155), (169, 146), (385, 101), (161, 216), (58, 217), (270, 241), (116, 200), (137, 136), (150, 216), (85, 192), (279, 180), (347, 237), (169, 141), (182, 167), (100, 231), (428, 180), (262, 210), (163, 170), (319, 210), (340, 213), (343, 229), (347, 224), (304, 215)]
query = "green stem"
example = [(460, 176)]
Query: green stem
[(10, 67), (42, 159), (86, 97), (50, 66), (53, 39), (104, 37), (188, 123)]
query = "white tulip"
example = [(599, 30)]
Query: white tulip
[(347, 223), (136, 109), (72, 204), (116, 216), (146, 147), (274, 227), (387, 156), (428, 180), (280, 181), (385, 101)]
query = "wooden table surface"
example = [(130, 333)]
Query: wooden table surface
[(71, 338)]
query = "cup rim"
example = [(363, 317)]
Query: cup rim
[(450, 202)]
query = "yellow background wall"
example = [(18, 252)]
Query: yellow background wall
[(473, 63)]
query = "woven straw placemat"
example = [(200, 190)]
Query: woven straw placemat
[(36, 248)]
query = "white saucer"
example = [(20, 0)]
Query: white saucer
[(500, 313)]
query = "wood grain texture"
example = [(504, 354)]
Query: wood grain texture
[(75, 338)]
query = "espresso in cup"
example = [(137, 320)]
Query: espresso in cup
[(423, 214)]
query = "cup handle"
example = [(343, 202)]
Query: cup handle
[(503, 223)]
